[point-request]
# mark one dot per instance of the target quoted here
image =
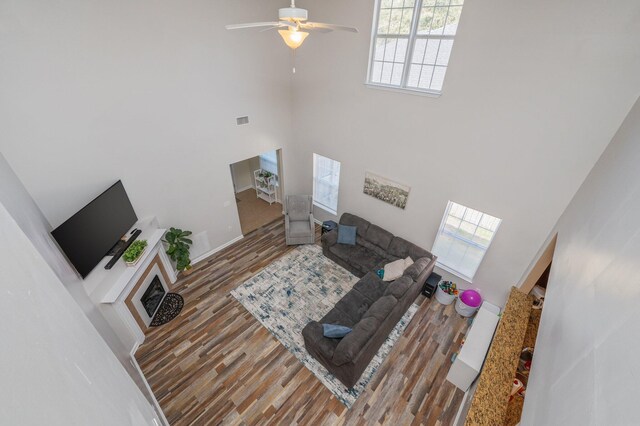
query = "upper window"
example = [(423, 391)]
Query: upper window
[(412, 42), (463, 239), (326, 182)]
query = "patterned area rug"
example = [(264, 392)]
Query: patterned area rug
[(302, 286)]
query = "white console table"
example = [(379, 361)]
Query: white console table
[(468, 363)]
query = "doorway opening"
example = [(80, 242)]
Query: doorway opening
[(257, 184)]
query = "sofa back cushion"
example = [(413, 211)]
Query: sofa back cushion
[(399, 287), (299, 207), (399, 247), (351, 345), (353, 220), (379, 236), (416, 269)]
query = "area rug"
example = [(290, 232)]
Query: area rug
[(301, 286)]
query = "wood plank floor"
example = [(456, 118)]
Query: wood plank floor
[(216, 364)]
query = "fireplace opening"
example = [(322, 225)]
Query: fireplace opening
[(153, 296)]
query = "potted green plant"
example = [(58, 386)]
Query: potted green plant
[(134, 252), (178, 248)]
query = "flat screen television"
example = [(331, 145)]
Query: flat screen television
[(87, 236)]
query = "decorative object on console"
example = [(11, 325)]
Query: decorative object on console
[(299, 226), (178, 249), (298, 287), (169, 309), (135, 251), (386, 190)]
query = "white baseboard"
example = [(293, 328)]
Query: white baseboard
[(134, 363), (215, 250)]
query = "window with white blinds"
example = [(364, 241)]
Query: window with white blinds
[(411, 43), (463, 239), (326, 183)]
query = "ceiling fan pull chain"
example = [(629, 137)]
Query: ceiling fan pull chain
[(293, 59)]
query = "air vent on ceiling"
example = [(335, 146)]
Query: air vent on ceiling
[(242, 120)]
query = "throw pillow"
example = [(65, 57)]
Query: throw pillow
[(408, 262), (335, 331), (347, 234), (393, 270)]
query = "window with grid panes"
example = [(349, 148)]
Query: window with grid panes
[(463, 239), (411, 43)]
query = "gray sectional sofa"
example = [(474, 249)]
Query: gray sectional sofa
[(372, 307)]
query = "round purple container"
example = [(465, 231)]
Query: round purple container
[(471, 298)]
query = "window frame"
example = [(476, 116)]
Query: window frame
[(316, 203), (412, 37), (442, 230)]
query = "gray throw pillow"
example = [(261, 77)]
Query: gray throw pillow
[(335, 331), (347, 234)]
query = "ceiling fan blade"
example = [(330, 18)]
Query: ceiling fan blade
[(319, 25), (259, 25), (305, 26), (281, 24)]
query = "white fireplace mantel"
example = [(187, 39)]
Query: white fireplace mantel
[(106, 286), (110, 288)]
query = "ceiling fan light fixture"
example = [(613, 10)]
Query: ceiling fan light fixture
[(293, 38)]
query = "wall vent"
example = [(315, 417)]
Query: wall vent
[(242, 120)]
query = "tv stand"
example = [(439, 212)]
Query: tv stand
[(122, 249)]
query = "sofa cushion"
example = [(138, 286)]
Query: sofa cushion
[(374, 248), (416, 269), (358, 222), (400, 247), (393, 270), (299, 229), (347, 234), (379, 236), (298, 207), (399, 287), (357, 256), (336, 316), (335, 331), (381, 309), (371, 285), (408, 261), (353, 305), (313, 337), (351, 345)]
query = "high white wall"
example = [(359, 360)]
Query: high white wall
[(35, 226), (144, 91), (56, 370), (584, 370), (534, 92)]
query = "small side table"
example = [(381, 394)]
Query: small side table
[(431, 284), (328, 226)]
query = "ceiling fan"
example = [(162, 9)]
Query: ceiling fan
[(292, 21)]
